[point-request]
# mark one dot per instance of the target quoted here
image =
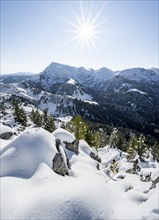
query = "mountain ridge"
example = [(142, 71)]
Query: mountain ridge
[(128, 98)]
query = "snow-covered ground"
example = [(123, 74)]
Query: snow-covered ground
[(30, 189)]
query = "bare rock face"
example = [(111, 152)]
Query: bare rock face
[(59, 165), (72, 146), (95, 157)]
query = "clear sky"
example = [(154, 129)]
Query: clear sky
[(93, 34)]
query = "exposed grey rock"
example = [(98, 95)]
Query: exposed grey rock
[(59, 165), (121, 177), (58, 143), (72, 146), (154, 183), (6, 135), (135, 168), (95, 157), (146, 178), (98, 167)]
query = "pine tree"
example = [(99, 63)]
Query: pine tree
[(137, 146), (141, 146), (45, 117), (19, 113), (80, 128), (113, 138), (49, 124), (32, 115), (155, 151), (90, 137), (36, 117), (132, 149), (97, 139)]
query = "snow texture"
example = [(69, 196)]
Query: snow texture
[(31, 190)]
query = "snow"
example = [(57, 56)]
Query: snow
[(140, 74), (91, 102), (103, 74), (19, 157), (65, 119), (31, 190), (4, 129), (63, 135), (81, 95), (136, 90), (71, 81)]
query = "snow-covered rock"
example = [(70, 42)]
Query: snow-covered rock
[(22, 157), (5, 131), (63, 135)]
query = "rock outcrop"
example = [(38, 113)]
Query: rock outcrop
[(73, 146), (60, 161), (95, 157), (59, 165)]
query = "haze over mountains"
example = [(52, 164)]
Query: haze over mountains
[(127, 98)]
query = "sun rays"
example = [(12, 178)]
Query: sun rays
[(85, 28)]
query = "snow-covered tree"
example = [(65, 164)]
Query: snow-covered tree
[(132, 149), (137, 146)]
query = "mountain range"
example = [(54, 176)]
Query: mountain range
[(127, 98)]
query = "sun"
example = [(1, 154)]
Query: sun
[(85, 28), (85, 34), (86, 31)]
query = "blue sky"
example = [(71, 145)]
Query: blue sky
[(36, 33)]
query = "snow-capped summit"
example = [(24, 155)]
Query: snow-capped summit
[(60, 73)]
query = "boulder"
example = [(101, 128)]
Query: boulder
[(59, 165), (73, 146), (95, 157), (6, 135)]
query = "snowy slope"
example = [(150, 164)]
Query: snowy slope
[(31, 190), (140, 74), (72, 88)]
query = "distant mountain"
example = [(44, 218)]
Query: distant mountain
[(59, 73), (15, 77), (141, 74), (127, 98)]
